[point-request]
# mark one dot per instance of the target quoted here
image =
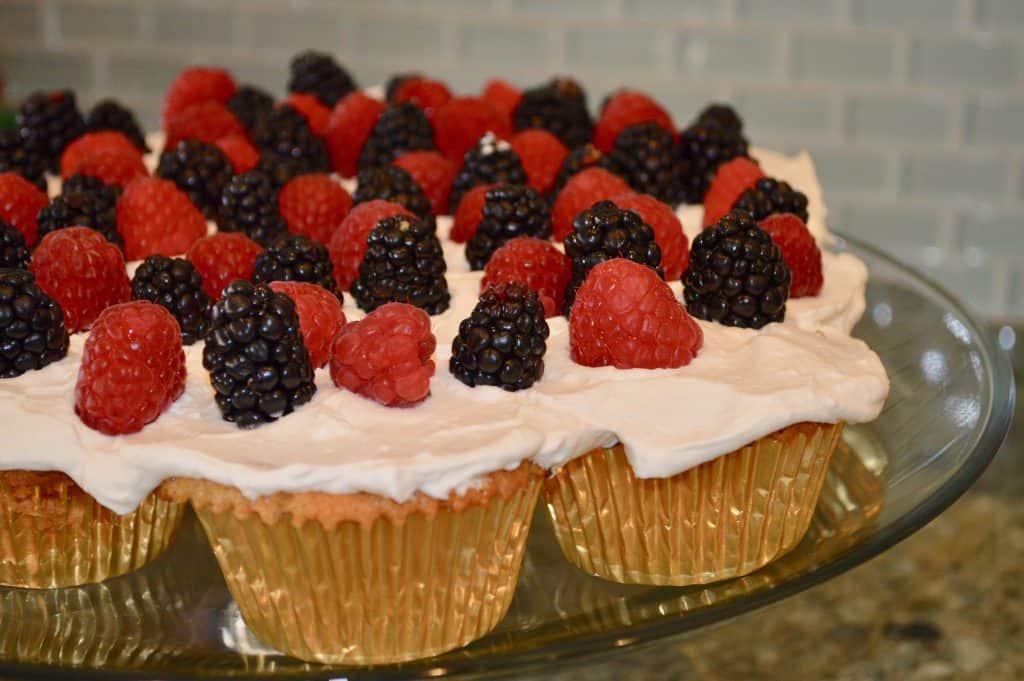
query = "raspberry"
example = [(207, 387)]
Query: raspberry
[(426, 93), (731, 180), (348, 128), (240, 152), (205, 121), (320, 317), (395, 81), (462, 121), (536, 263), (668, 231), (469, 212), (799, 251), (386, 356), (222, 258), (348, 243), (627, 317), (133, 368), (20, 203), (433, 173), (312, 109), (582, 191), (154, 216), (503, 96), (626, 108), (314, 205), (83, 272), (112, 167), (197, 84), (541, 154), (103, 144)]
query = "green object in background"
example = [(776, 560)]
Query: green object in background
[(6, 119)]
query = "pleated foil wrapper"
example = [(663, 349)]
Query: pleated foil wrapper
[(54, 534), (725, 518), (381, 594)]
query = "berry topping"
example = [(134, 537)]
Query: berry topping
[(469, 213), (722, 115), (223, 257), (646, 156), (581, 192), (433, 173), (199, 169), (400, 128), (206, 121), (20, 203), (195, 85), (502, 343), (348, 128), (154, 216), (736, 275), (259, 366), (174, 284), (386, 356), (249, 205), (668, 231), (348, 243), (769, 196), (32, 332), (579, 159), (48, 122), (110, 114), (403, 263), (314, 205), (704, 147), (83, 272), (295, 257), (249, 103), (490, 160), (83, 202), (536, 263), (391, 183), (626, 108), (318, 74), (14, 254), (320, 316), (503, 96), (627, 317), (560, 107), (108, 156), (731, 180), (18, 156), (462, 121), (799, 250), (542, 155), (509, 211), (240, 152), (133, 368), (312, 109), (284, 136), (426, 93)]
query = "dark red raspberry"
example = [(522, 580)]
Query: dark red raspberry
[(197, 84), (799, 251), (731, 180), (668, 231), (627, 317), (83, 272), (426, 93), (312, 109), (20, 203), (240, 152), (433, 173), (469, 213), (205, 121), (133, 368), (314, 205), (541, 154), (348, 243), (222, 258), (154, 216), (582, 191), (93, 144), (348, 128), (115, 168), (503, 96), (386, 356), (320, 316), (536, 263), (626, 108), (462, 121)]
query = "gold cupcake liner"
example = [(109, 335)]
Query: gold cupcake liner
[(384, 593), (722, 519), (53, 534)]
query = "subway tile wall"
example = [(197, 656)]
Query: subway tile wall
[(913, 109)]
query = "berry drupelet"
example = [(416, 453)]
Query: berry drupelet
[(560, 107), (318, 74), (174, 284), (509, 211), (400, 128), (83, 202), (249, 104), (49, 121), (647, 157), (110, 114), (18, 156), (249, 205), (492, 160), (32, 332), (14, 254), (704, 146), (391, 183), (199, 169), (296, 257), (770, 196), (283, 133)]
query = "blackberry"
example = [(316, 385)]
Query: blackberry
[(400, 128), (199, 169), (736, 275), (510, 211), (17, 156), (83, 202), (396, 81), (647, 157), (580, 158), (280, 171), (560, 107), (249, 104), (722, 115), (259, 367), (502, 343), (14, 254), (294, 257), (110, 114), (32, 331), (394, 184), (491, 160), (704, 147), (249, 205), (404, 263), (49, 121), (770, 196), (603, 232), (318, 74), (174, 284), (284, 133)]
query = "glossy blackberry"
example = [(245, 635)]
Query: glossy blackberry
[(580, 158), (110, 114), (285, 134), (704, 147), (404, 263), (294, 257), (318, 74), (249, 104), (249, 205), (400, 128), (502, 343), (259, 367), (83, 202), (396, 81), (32, 332), (510, 211), (280, 171), (770, 196), (17, 156), (199, 169), (491, 160), (722, 115), (736, 275), (647, 157), (49, 121), (560, 107), (603, 232), (394, 184), (14, 254), (174, 284)]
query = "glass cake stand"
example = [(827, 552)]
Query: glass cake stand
[(949, 409)]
